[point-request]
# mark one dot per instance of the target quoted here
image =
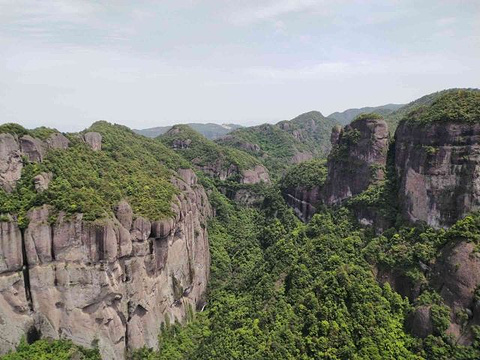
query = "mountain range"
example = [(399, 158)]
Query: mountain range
[(303, 239)]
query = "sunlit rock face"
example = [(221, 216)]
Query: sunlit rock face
[(109, 283)]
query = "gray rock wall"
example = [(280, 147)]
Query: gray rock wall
[(109, 283), (438, 167), (357, 159)]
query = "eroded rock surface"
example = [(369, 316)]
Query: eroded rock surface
[(10, 162), (357, 159), (303, 201), (456, 276), (13, 148), (438, 166), (256, 175), (111, 282)]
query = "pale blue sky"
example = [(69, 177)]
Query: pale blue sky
[(68, 63)]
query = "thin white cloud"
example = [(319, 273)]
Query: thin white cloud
[(272, 10), (328, 70)]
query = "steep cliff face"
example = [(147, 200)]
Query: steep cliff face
[(109, 283), (303, 201), (438, 162), (301, 187), (357, 159), (438, 167)]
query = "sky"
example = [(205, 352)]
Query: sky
[(66, 64)]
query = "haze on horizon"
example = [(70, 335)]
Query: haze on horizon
[(66, 64)]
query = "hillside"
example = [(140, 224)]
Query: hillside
[(218, 161), (209, 130), (394, 118), (345, 117), (285, 143)]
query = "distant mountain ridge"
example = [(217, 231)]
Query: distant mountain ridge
[(287, 142), (345, 117), (209, 130)]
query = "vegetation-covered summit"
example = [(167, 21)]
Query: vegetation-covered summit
[(452, 106), (394, 118), (203, 152), (129, 166), (347, 116)]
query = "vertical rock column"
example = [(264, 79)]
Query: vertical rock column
[(357, 159)]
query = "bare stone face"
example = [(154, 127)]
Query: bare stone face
[(113, 281), (10, 162), (438, 166), (357, 160), (94, 140)]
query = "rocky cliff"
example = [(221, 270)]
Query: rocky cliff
[(109, 283), (357, 159), (438, 166)]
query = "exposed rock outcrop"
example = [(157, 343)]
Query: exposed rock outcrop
[(438, 166), (13, 148), (10, 162), (94, 140), (456, 276), (111, 282), (357, 159), (42, 180), (420, 322), (303, 201), (301, 157), (256, 175)]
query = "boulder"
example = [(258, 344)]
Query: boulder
[(419, 322), (41, 181), (57, 141), (34, 149), (124, 214), (94, 140), (256, 175)]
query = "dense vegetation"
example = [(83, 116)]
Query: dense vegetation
[(203, 152), (18, 130), (128, 167), (454, 106), (284, 290), (393, 119), (347, 116), (306, 175), (52, 350)]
